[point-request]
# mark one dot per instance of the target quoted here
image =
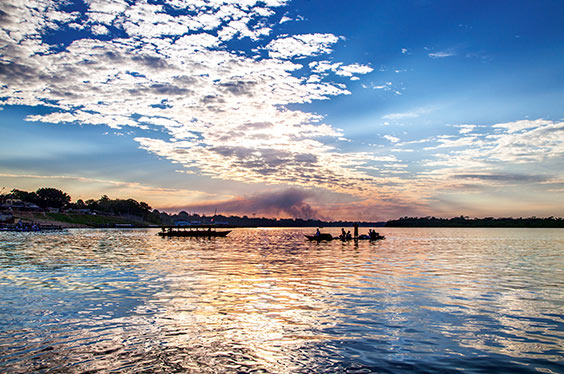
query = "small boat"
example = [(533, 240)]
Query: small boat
[(367, 237), (329, 237), (320, 237), (29, 227), (200, 231)]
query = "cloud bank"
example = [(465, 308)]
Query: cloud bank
[(170, 69)]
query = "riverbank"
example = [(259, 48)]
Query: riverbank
[(75, 220)]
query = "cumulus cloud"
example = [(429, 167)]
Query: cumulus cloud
[(100, 30), (512, 144), (465, 129), (301, 45), (391, 138), (340, 69), (517, 126), (223, 112), (285, 19)]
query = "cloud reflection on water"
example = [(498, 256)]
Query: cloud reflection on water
[(266, 300)]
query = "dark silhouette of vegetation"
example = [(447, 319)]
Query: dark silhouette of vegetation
[(43, 197), (118, 207), (463, 221), (245, 221), (130, 210), (119, 211), (51, 197), (30, 197)]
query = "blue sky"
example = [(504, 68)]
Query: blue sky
[(343, 110)]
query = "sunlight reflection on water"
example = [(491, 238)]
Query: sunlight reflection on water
[(266, 300)]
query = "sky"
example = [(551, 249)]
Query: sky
[(360, 110)]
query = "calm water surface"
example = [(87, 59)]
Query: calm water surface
[(266, 301)]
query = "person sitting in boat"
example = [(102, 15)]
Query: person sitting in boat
[(374, 235), (343, 235), (348, 236), (317, 233)]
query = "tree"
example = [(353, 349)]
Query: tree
[(52, 197), (30, 197), (91, 204), (144, 206), (104, 204)]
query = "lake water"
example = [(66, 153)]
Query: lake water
[(267, 301)]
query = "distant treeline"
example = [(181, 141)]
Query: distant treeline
[(43, 197), (476, 222), (170, 219), (53, 198), (46, 198)]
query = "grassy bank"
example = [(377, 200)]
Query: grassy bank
[(89, 219), (77, 220)]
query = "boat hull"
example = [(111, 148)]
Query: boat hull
[(328, 237), (318, 238), (366, 237)]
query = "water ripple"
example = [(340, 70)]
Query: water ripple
[(266, 300)]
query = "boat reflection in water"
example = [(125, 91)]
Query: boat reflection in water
[(268, 301)]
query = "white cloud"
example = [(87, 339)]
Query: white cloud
[(301, 45), (340, 69), (418, 112), (349, 70), (223, 111), (513, 127), (465, 129), (442, 54), (514, 143), (447, 142), (391, 139), (100, 30), (401, 115), (386, 86), (285, 19)]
